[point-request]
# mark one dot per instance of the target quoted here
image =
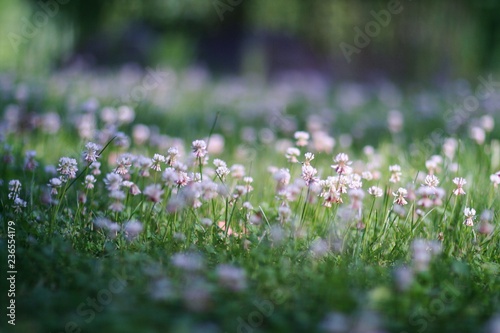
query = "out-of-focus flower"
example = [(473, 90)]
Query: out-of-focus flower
[(199, 148), (14, 189), (395, 121), (54, 184), (487, 123), (355, 181), (29, 160), (133, 188), (125, 114), (431, 181), (188, 261), (215, 145), (470, 214), (232, 278), (477, 134), (308, 174), (132, 229), (140, 133), (460, 182), (292, 154), (113, 181), (485, 227), (124, 162), (395, 173), (367, 175), (375, 191), (156, 162), (172, 155), (67, 168), (117, 204), (308, 158), (449, 147), (495, 179), (18, 205), (90, 154), (282, 177), (403, 277), (422, 253), (342, 164), (89, 182), (302, 138), (284, 213), (237, 171), (400, 195), (95, 168), (153, 192)]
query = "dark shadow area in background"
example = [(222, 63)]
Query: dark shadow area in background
[(427, 40)]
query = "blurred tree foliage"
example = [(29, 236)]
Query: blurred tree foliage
[(439, 39)]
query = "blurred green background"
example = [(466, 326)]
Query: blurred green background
[(427, 40)]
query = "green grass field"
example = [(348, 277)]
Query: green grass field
[(208, 205)]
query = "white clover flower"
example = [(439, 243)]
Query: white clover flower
[(219, 163), (470, 214), (90, 154), (460, 182), (375, 191), (124, 162), (67, 168), (400, 195), (342, 164), (199, 148), (156, 162), (14, 189), (431, 181), (495, 179), (355, 181), (172, 155), (222, 172), (54, 184), (308, 173), (308, 158), (89, 182)]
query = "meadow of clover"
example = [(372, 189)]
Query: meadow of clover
[(236, 205)]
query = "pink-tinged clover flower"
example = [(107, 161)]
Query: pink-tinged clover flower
[(460, 182)]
